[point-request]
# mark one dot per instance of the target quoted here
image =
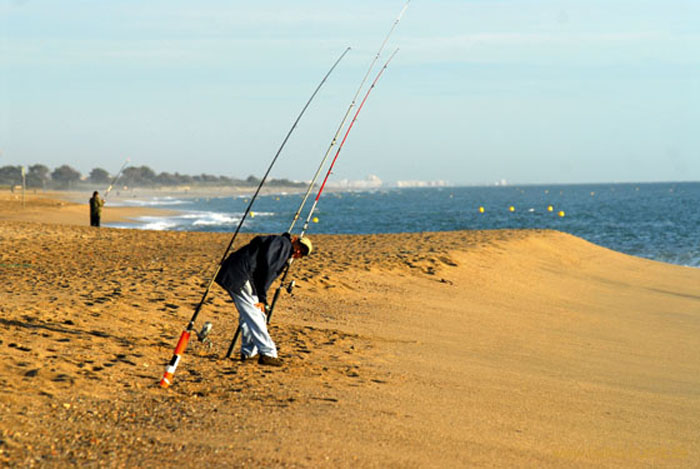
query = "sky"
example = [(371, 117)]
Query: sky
[(531, 92)]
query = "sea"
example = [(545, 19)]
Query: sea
[(659, 221)]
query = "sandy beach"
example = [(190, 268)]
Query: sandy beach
[(454, 349)]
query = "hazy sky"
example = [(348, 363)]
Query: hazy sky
[(548, 91)]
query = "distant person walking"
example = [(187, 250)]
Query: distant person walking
[(96, 204), (247, 274)]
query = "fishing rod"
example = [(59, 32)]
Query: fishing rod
[(330, 170), (313, 207), (185, 336), (345, 117), (320, 166), (116, 178)]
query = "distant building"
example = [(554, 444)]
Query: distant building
[(370, 182), (439, 183)]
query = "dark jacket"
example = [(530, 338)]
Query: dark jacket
[(96, 205), (261, 261)]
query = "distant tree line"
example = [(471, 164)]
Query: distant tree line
[(65, 177)]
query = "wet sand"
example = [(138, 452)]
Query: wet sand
[(456, 349)]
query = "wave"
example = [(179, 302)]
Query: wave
[(153, 202), (212, 219), (686, 259), (191, 221), (147, 223)]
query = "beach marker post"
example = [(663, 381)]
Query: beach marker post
[(167, 378)]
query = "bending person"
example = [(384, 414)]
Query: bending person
[(247, 275)]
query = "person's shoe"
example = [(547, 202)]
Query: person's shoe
[(269, 361), (247, 358)]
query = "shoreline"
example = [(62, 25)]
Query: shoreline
[(71, 207), (164, 210)]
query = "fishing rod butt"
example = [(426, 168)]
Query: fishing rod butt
[(167, 378), (233, 342)]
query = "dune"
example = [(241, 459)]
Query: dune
[(468, 349)]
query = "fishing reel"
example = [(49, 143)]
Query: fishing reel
[(203, 334)]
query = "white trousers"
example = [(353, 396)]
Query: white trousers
[(254, 335)]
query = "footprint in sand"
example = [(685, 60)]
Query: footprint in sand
[(63, 378), (20, 347), (122, 358)]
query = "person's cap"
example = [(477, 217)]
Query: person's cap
[(307, 243)]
